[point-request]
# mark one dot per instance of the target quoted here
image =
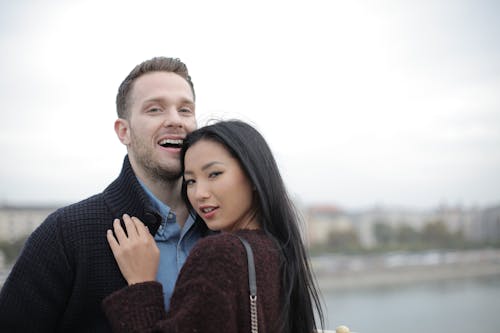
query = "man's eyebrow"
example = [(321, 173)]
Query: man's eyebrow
[(183, 100), (153, 100), (187, 101)]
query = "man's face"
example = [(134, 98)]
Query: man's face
[(161, 114)]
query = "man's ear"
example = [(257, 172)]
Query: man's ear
[(122, 129)]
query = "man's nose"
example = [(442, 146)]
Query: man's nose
[(172, 119)]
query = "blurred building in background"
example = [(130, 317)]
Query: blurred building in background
[(397, 240), (327, 224), (19, 221)]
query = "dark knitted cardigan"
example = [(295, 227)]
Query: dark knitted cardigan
[(67, 268), (211, 293)]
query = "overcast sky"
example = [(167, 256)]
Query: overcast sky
[(364, 102)]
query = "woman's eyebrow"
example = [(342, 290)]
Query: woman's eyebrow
[(203, 168)]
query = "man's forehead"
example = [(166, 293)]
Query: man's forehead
[(156, 85)]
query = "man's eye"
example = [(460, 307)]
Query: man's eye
[(154, 110), (185, 110)]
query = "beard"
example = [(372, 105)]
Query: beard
[(144, 156)]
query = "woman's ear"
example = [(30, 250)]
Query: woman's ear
[(122, 129)]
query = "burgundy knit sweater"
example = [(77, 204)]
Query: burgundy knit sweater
[(211, 293)]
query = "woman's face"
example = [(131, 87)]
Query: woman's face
[(218, 188)]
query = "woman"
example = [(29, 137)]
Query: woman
[(232, 181)]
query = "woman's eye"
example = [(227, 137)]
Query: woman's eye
[(214, 174), (189, 182)]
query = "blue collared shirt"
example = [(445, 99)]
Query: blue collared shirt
[(174, 244)]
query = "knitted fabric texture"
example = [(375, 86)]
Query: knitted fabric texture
[(67, 268), (211, 293)]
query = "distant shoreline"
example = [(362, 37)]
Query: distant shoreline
[(342, 273)]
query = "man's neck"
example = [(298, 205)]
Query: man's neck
[(168, 192)]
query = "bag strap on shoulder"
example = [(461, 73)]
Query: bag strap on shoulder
[(252, 284)]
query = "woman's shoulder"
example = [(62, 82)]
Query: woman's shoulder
[(215, 254), (216, 243), (229, 240), (227, 244)]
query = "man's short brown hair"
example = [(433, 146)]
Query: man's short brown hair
[(157, 64)]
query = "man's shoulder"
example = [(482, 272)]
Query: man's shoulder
[(76, 221), (86, 210), (91, 205)]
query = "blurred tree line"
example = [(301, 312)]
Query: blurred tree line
[(434, 235)]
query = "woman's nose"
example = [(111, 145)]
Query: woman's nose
[(201, 192)]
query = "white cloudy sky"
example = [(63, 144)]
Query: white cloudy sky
[(363, 102)]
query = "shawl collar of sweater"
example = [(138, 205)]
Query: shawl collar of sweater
[(126, 195)]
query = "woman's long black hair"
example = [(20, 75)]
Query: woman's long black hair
[(275, 212)]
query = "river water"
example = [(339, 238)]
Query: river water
[(455, 306)]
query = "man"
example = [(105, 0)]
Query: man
[(67, 267)]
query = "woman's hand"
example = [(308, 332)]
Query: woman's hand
[(137, 255)]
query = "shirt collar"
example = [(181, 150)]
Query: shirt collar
[(162, 208)]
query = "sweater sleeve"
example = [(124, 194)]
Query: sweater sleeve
[(204, 299), (35, 294)]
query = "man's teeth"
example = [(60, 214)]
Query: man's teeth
[(170, 142), (207, 210)]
